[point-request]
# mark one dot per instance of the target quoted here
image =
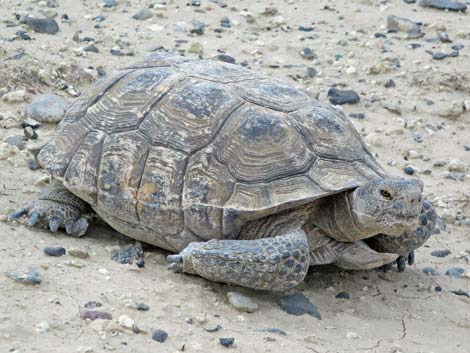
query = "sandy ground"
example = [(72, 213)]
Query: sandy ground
[(387, 312)]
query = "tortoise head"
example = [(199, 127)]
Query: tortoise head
[(389, 206)]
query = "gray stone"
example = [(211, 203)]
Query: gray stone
[(30, 277), (15, 140), (242, 302), (339, 97), (455, 272), (443, 5), (159, 336), (143, 15), (399, 24), (42, 25), (47, 108), (298, 304)]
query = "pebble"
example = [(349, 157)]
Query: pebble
[(30, 277), (390, 83), (298, 304), (55, 251), (110, 3), (339, 97), (126, 322), (439, 56), (159, 336), (443, 5), (359, 116), (130, 254), (15, 140), (455, 272), (92, 304), (352, 335), (305, 28), (94, 315), (409, 170), (42, 25), (30, 133), (343, 295), (47, 108), (81, 254), (227, 342), (30, 122), (225, 58), (17, 96), (308, 54), (198, 27), (460, 292), (225, 22), (242, 302), (413, 29), (440, 253), (32, 164), (142, 307), (275, 330), (91, 48), (116, 51), (456, 166), (23, 35), (430, 271), (143, 15)]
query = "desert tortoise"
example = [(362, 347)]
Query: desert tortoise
[(248, 178)]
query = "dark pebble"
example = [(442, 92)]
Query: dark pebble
[(42, 25), (440, 253), (142, 307), (455, 272), (417, 137), (443, 5), (226, 58), (159, 336), (457, 47), (430, 271), (54, 251), (338, 56), (311, 72), (298, 304), (410, 1), (91, 48), (461, 293), (99, 18), (414, 45), (196, 3), (198, 27), (305, 28), (390, 83), (30, 122), (225, 22), (30, 133), (110, 3), (101, 72), (439, 56), (93, 315), (214, 328), (23, 35), (130, 254), (308, 53), (65, 18), (358, 116), (454, 54), (466, 148), (338, 97), (92, 304), (380, 35), (33, 164), (343, 295), (227, 342), (438, 288), (88, 39), (409, 170), (15, 140), (30, 277)]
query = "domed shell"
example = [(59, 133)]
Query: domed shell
[(174, 150)]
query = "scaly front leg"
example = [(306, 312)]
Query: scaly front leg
[(277, 263)]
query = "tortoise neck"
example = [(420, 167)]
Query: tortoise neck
[(335, 216)]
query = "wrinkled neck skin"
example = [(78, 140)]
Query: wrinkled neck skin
[(335, 216)]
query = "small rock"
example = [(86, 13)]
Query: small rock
[(42, 25), (242, 302), (443, 5), (305, 28), (225, 58), (339, 97), (275, 330), (390, 83), (30, 122), (456, 166), (94, 315), (143, 15), (430, 271), (47, 108), (455, 272), (308, 54), (413, 29), (130, 254), (30, 277), (198, 27), (33, 164), (92, 304), (225, 22), (227, 342), (343, 295), (110, 3), (23, 35), (30, 133), (159, 336), (17, 96), (439, 56), (15, 140), (352, 335), (91, 48), (82, 254), (126, 322), (55, 251), (359, 116), (142, 307), (298, 304), (440, 253), (409, 170)]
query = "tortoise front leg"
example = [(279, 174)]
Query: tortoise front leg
[(277, 263)]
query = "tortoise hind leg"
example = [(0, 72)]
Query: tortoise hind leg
[(55, 208), (277, 263)]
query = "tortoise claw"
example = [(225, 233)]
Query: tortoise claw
[(33, 219), (175, 263), (54, 224), (175, 267), (401, 263), (17, 214), (411, 258)]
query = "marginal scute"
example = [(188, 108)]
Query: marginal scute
[(127, 102), (258, 145), (336, 175), (160, 60), (159, 195), (273, 94), (82, 172), (190, 115), (253, 201), (208, 186), (216, 71), (327, 132), (122, 165)]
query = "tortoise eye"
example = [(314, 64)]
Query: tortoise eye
[(386, 194)]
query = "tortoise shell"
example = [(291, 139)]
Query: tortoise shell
[(174, 150)]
